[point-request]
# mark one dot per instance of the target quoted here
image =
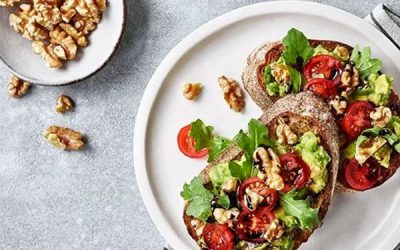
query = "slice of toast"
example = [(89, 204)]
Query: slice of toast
[(261, 57), (303, 112), (254, 84)]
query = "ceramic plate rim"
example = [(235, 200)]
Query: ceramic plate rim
[(99, 68), (151, 92)]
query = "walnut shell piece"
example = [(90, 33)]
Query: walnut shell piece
[(64, 104), (17, 87), (64, 138), (233, 94), (192, 90)]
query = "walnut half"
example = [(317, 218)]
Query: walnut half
[(64, 104), (64, 138), (17, 87), (192, 90), (269, 165), (380, 116), (233, 94)]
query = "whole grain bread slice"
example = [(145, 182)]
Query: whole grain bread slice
[(261, 57), (303, 112), (254, 84)]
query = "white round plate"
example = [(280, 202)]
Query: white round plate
[(16, 52), (367, 220)]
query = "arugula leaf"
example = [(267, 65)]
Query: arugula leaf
[(276, 89), (268, 75), (295, 78), (364, 63), (224, 201), (218, 145), (204, 138), (199, 199), (257, 136), (241, 172), (301, 209), (297, 48)]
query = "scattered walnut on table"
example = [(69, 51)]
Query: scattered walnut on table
[(64, 138), (233, 94), (64, 104), (17, 87), (192, 90)]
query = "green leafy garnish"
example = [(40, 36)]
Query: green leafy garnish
[(297, 48), (205, 139), (199, 199), (295, 78), (284, 243), (257, 135), (364, 63), (241, 171), (268, 75), (301, 209), (223, 200), (385, 133), (276, 89)]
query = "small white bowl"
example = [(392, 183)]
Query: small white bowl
[(16, 52)]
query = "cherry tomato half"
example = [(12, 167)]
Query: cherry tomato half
[(186, 144), (258, 186), (218, 237), (362, 177), (294, 171), (323, 87), (330, 67), (356, 119), (251, 226)]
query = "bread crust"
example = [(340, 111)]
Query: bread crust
[(313, 112)]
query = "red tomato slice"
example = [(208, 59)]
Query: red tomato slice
[(294, 171), (330, 67), (362, 177), (323, 87), (356, 118), (251, 226), (218, 237), (258, 186), (186, 144)]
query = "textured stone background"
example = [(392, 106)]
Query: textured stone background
[(89, 200)]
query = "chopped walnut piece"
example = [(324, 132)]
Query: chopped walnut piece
[(343, 52), (192, 90), (275, 231), (338, 105), (223, 216), (197, 225), (8, 3), (64, 138), (64, 104), (17, 87), (350, 78), (47, 54), (280, 73), (285, 134), (380, 116), (67, 43), (268, 164), (233, 94)]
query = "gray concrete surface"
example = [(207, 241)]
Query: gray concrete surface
[(89, 200)]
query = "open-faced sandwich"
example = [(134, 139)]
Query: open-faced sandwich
[(361, 98), (269, 187)]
